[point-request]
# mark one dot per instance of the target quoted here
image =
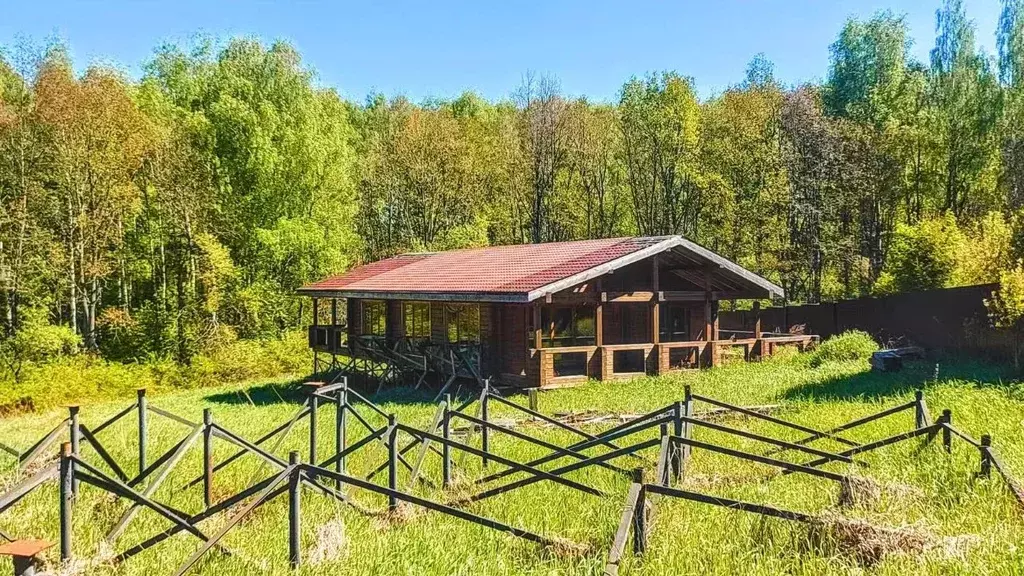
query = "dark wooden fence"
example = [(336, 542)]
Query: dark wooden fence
[(949, 320)]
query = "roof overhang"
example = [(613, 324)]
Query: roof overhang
[(752, 283), (746, 283)]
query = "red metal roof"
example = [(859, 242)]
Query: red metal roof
[(493, 270)]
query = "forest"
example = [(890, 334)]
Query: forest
[(158, 218)]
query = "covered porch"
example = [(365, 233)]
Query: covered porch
[(629, 335)]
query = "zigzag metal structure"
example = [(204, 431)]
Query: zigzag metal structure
[(614, 449)]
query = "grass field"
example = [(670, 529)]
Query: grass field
[(975, 525)]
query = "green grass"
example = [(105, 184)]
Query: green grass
[(686, 538)]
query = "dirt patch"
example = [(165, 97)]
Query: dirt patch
[(404, 513), (869, 544), (331, 543), (711, 482), (866, 492), (565, 548), (22, 405)]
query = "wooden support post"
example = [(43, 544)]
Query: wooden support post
[(316, 323), (76, 442), (143, 429), (534, 400), (759, 347), (484, 430), (446, 449), (655, 309), (294, 511), (392, 462), (986, 456), (340, 424), (640, 515), (537, 329), (207, 457), (947, 440), (67, 480)]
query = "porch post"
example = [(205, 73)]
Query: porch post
[(333, 339), (758, 344), (316, 322), (655, 312), (710, 325)]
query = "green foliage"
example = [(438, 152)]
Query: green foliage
[(1006, 307), (35, 342), (88, 377), (848, 346), (921, 256), (157, 218)]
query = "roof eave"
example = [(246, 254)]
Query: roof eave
[(771, 289)]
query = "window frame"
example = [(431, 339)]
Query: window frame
[(455, 316), (369, 319), (421, 324), (573, 337)]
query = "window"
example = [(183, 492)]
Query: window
[(675, 323), (375, 321), (462, 323), (417, 320), (568, 326)]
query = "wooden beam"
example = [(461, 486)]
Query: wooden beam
[(635, 296), (537, 332), (655, 310), (757, 320)]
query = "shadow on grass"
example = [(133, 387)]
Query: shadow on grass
[(293, 392), (918, 374)]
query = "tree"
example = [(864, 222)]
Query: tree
[(99, 138), (965, 94), (661, 134)]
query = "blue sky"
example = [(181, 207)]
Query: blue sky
[(440, 48)]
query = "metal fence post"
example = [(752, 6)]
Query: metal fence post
[(446, 450), (207, 457), (76, 442), (677, 430), (314, 404), (986, 456), (340, 423), (392, 461), (919, 409), (294, 514), (688, 411), (484, 431), (947, 440), (67, 474), (640, 515), (143, 431)]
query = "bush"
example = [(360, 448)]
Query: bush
[(850, 345), (90, 377)]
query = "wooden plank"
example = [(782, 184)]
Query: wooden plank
[(626, 451), (857, 422), (517, 466), (23, 488), (611, 567), (431, 505), (878, 444), (727, 503), (773, 420)]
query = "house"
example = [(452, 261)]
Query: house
[(537, 315)]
